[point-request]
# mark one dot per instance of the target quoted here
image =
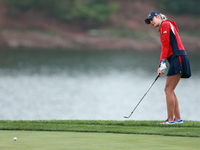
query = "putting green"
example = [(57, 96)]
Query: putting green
[(42, 140)]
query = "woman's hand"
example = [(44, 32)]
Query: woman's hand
[(162, 67), (159, 72)]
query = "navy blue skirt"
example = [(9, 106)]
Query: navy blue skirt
[(180, 64)]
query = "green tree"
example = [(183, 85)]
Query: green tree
[(180, 6), (84, 12)]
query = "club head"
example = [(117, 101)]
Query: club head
[(125, 116)]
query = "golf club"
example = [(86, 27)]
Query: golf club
[(141, 99)]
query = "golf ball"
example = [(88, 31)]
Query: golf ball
[(15, 138)]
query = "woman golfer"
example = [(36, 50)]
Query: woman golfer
[(173, 51)]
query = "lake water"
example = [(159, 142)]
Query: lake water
[(99, 85)]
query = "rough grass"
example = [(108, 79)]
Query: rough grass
[(188, 129)]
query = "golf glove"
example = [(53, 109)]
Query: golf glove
[(163, 65)]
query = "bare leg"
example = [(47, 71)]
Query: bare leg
[(176, 109), (172, 101)]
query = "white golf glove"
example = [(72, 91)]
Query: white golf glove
[(163, 65)]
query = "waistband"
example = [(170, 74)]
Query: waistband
[(178, 53)]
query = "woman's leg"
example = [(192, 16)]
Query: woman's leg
[(172, 101), (176, 109)]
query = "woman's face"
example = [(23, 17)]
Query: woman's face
[(156, 21)]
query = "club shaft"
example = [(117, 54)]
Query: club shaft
[(142, 98)]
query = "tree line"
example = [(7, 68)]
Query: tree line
[(86, 12), (180, 6), (91, 12)]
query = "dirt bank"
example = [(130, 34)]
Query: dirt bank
[(35, 30)]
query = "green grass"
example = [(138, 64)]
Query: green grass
[(188, 129), (98, 135), (48, 140)]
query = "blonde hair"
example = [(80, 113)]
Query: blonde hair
[(163, 17)]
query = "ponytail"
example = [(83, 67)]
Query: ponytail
[(163, 17)]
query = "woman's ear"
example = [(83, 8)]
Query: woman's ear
[(159, 17)]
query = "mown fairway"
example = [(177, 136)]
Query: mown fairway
[(37, 140), (98, 135)]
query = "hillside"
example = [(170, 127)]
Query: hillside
[(125, 31)]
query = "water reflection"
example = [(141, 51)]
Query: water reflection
[(37, 85)]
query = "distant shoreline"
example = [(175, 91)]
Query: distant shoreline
[(14, 38)]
